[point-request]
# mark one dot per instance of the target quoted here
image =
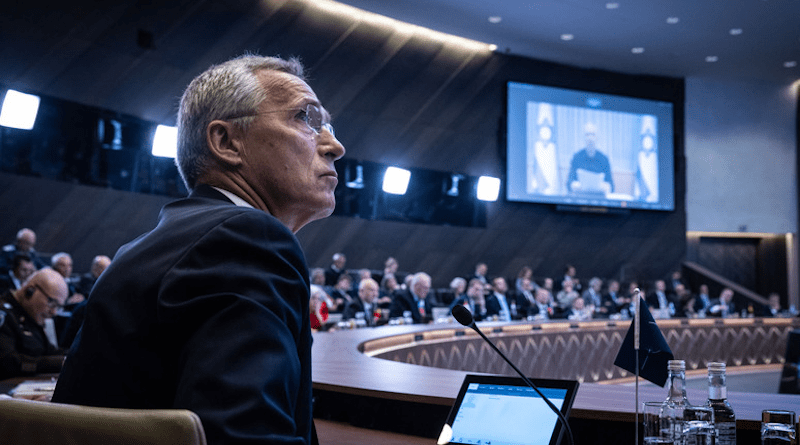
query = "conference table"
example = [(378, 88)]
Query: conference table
[(396, 378)]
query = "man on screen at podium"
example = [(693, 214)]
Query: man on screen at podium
[(589, 170)]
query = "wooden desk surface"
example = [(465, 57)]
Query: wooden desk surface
[(339, 366)]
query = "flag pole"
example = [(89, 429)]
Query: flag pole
[(636, 331)]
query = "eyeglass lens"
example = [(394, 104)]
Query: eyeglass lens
[(314, 120)]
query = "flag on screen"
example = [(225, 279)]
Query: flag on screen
[(654, 352)]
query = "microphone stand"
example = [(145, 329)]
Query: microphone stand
[(527, 381), (637, 327)]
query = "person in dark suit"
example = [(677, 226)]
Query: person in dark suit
[(724, 305), (474, 299), (418, 300), (21, 268), (660, 299), (209, 311), (365, 303), (23, 244), (335, 270)]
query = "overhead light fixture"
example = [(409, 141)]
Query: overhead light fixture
[(19, 110), (637, 50), (612, 5), (711, 59), (495, 19), (673, 20), (790, 64), (165, 142), (395, 180), (735, 31), (488, 188), (567, 37)]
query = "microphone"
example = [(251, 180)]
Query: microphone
[(464, 317)]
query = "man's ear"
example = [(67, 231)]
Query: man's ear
[(224, 142)]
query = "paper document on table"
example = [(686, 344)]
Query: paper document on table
[(34, 389)]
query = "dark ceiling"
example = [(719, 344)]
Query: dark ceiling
[(136, 56)]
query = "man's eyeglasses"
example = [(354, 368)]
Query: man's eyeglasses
[(311, 114), (52, 303)]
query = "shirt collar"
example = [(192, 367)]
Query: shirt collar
[(235, 199)]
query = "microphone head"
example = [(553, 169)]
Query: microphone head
[(462, 315)]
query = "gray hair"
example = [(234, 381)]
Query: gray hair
[(221, 92), (57, 257)]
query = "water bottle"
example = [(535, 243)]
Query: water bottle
[(672, 408), (724, 417)]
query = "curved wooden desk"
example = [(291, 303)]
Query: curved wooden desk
[(342, 361)]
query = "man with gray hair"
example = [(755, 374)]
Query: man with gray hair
[(418, 300), (209, 311)]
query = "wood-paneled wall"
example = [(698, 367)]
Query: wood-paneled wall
[(407, 99)]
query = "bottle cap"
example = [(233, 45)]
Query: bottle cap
[(676, 365), (716, 367)]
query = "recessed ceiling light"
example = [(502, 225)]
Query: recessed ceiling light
[(612, 5), (637, 50), (492, 47), (673, 20), (711, 59), (495, 19), (567, 37), (735, 31), (790, 64)]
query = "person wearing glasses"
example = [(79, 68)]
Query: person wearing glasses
[(209, 311), (24, 348)]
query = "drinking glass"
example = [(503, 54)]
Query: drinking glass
[(778, 427), (698, 426), (656, 431)]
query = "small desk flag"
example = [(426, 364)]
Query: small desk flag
[(654, 352)]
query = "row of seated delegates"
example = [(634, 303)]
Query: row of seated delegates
[(24, 346), (77, 313)]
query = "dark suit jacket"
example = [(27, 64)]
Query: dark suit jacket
[(403, 300), (208, 312), (357, 306)]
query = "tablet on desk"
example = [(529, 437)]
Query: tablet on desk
[(497, 410)]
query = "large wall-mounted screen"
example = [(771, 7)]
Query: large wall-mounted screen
[(580, 148)]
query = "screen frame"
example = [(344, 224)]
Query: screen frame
[(571, 386), (515, 143)]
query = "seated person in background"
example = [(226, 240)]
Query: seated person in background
[(773, 307), (418, 300), (364, 304), (525, 272), (498, 302), (340, 294), (317, 276), (613, 301), (702, 302), (685, 298), (318, 306), (593, 163), (593, 297), (659, 299), (21, 268), (480, 273), (24, 244), (578, 311), (566, 295), (458, 286), (24, 347), (723, 306), (548, 285), (62, 263), (390, 267), (525, 297), (388, 287), (474, 299), (542, 309), (99, 264), (336, 269)]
